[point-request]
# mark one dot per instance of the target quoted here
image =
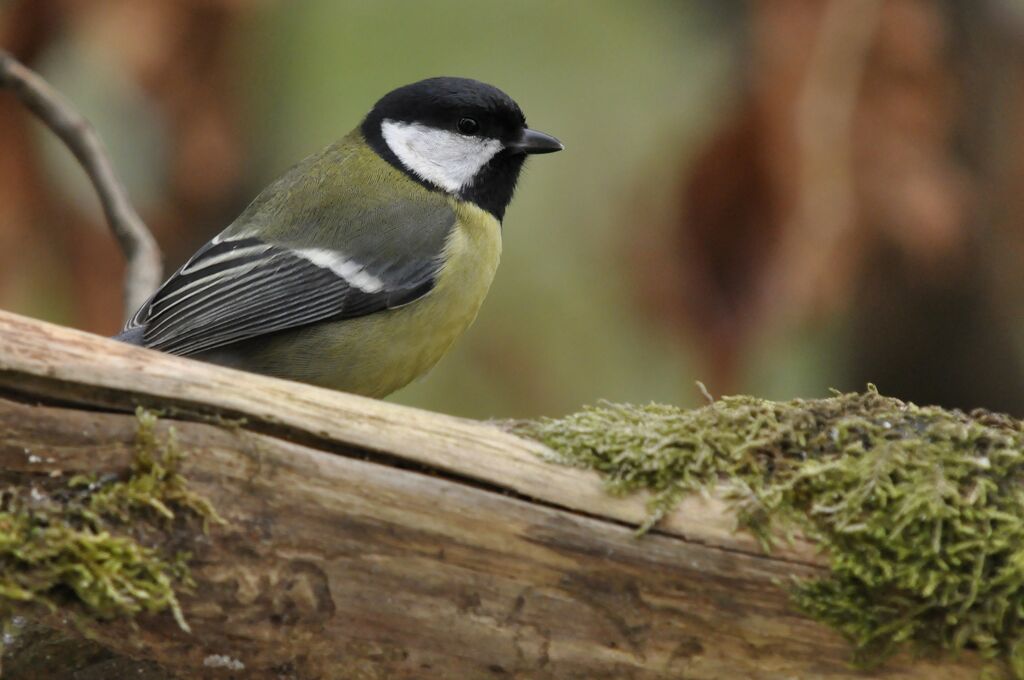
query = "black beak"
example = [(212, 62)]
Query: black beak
[(533, 141)]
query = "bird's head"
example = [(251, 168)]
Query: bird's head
[(456, 135)]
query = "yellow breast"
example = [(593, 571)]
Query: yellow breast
[(471, 259)]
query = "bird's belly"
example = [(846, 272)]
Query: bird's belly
[(377, 354), (408, 342)]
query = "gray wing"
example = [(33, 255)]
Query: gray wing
[(241, 288)]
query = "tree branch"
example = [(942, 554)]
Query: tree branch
[(142, 255)]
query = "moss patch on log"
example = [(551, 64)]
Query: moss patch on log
[(920, 510), (89, 544)]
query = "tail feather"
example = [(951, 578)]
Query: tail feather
[(132, 336)]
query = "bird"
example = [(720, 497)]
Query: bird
[(361, 265)]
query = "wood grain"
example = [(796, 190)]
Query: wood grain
[(368, 540), (44, 360)]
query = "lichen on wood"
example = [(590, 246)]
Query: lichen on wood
[(918, 510), (93, 546)]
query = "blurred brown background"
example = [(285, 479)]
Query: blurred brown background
[(776, 197)]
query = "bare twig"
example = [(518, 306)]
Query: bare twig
[(142, 255)]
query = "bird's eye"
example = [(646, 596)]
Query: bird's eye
[(468, 126)]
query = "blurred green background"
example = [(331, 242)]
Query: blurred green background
[(778, 198), (614, 82)]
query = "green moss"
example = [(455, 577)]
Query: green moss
[(919, 510), (89, 542), (154, 483)]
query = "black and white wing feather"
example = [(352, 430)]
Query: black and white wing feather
[(237, 289)]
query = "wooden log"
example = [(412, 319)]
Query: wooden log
[(369, 540)]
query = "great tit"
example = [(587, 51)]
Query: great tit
[(360, 266)]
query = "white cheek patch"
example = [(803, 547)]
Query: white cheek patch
[(446, 159)]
